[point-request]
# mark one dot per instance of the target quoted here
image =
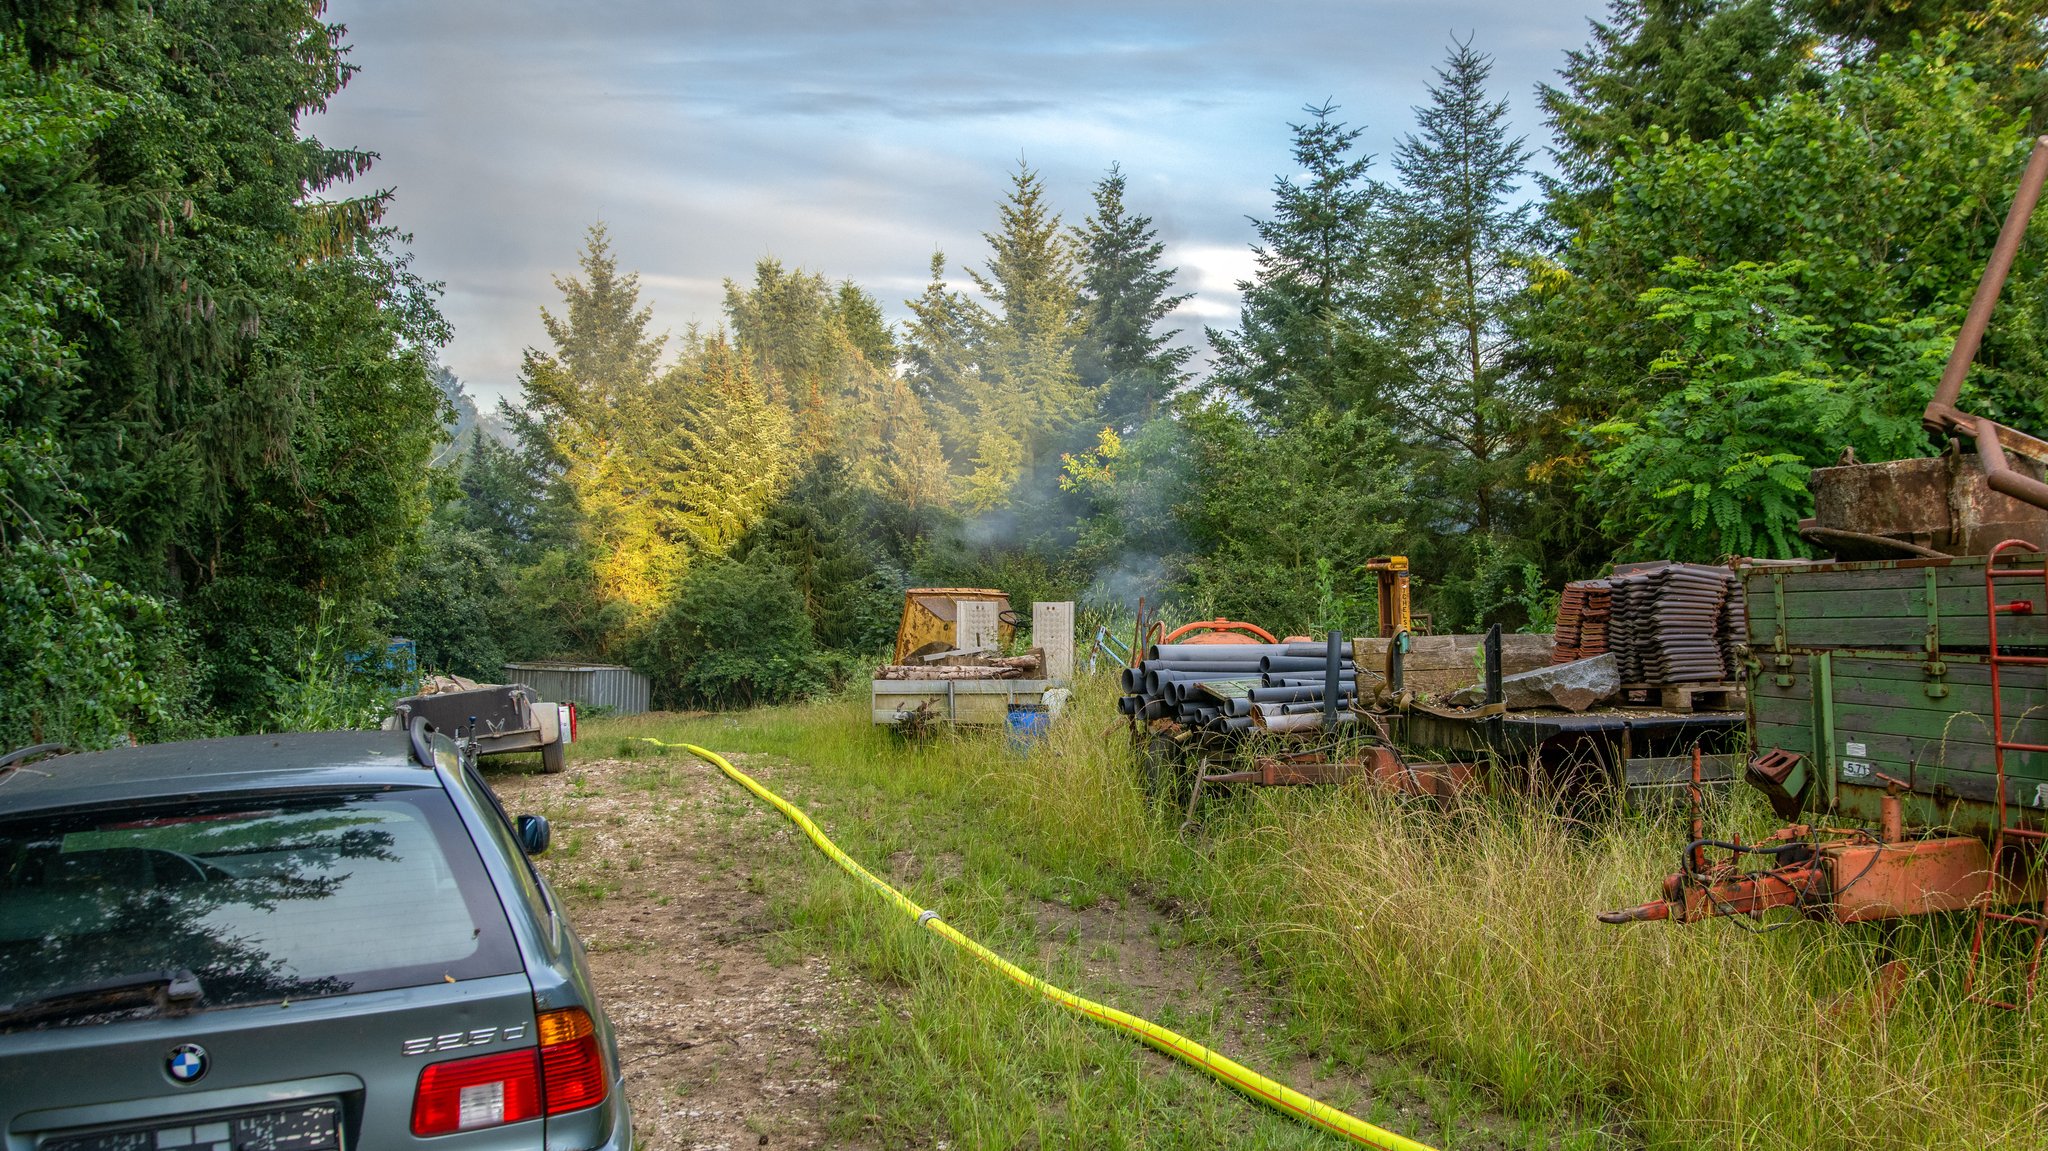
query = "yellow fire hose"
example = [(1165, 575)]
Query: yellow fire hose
[(1279, 1096)]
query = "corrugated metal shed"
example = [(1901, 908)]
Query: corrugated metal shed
[(621, 689)]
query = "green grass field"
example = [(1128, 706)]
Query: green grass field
[(1451, 959)]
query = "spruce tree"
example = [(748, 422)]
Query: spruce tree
[(603, 353), (1461, 235), (1030, 392), (501, 498), (708, 454), (1300, 346), (655, 469), (783, 322), (940, 361), (1125, 293), (826, 355), (1676, 67), (860, 316)]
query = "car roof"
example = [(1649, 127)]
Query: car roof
[(323, 760)]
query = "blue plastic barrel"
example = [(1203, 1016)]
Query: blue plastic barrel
[(1028, 721)]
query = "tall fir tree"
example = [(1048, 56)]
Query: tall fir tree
[(1676, 67), (800, 357), (828, 356), (1462, 241), (1124, 358), (659, 468), (603, 353), (941, 361), (1300, 346), (706, 454), (502, 498), (1030, 396), (860, 316)]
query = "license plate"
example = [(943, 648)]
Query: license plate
[(316, 1127)]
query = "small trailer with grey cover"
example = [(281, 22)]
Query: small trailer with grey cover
[(502, 718)]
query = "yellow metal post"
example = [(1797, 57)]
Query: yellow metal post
[(1393, 577)]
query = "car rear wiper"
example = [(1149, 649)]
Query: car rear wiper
[(160, 989)]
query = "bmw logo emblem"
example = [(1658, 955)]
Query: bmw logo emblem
[(187, 1063)]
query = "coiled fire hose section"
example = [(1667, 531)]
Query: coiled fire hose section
[(1278, 1096)]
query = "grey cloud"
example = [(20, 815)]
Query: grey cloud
[(854, 138), (843, 104)]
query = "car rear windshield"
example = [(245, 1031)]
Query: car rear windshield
[(263, 900)]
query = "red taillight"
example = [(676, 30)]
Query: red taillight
[(465, 1094), (572, 1067)]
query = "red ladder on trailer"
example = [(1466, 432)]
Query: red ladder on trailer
[(2004, 834)]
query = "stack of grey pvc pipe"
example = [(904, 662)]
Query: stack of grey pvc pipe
[(1236, 687)]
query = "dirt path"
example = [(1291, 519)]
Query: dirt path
[(720, 1037), (723, 1023)]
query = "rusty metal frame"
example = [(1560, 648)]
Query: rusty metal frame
[(1942, 417)]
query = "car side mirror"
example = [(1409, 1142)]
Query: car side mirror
[(534, 834)]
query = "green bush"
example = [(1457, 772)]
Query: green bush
[(455, 602), (70, 646), (830, 534), (559, 610), (735, 634)]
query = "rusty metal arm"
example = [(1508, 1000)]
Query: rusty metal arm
[(1813, 533), (1941, 416), (1700, 890), (1992, 439), (1691, 898)]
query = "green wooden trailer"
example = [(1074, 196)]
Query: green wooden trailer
[(1898, 720), (1878, 675)]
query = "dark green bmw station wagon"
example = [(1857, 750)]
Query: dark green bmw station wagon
[(288, 943)]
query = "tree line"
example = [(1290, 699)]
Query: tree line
[(226, 456)]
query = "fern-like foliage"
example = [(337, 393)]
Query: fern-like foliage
[(1748, 405)]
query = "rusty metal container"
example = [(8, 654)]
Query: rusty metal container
[(1939, 504)]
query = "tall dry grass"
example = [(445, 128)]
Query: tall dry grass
[(1470, 935)]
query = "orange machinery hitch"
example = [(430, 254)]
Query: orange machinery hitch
[(1843, 875)]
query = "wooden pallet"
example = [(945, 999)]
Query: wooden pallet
[(1684, 696)]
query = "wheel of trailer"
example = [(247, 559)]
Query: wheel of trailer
[(1167, 776), (553, 757)]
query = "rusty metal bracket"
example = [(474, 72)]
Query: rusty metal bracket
[(1937, 668), (1783, 660)]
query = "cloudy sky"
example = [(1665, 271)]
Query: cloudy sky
[(853, 139)]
